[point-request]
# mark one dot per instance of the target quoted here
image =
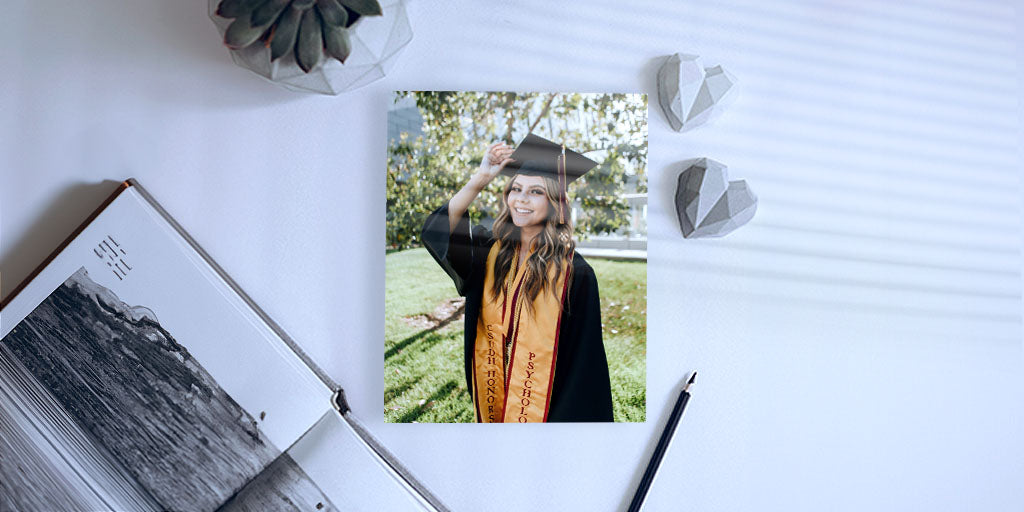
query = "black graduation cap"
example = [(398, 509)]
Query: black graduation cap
[(537, 156)]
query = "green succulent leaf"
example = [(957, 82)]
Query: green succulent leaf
[(336, 42), (332, 12), (311, 28), (268, 12), (310, 44), (240, 33), (364, 7), (237, 8), (283, 39)]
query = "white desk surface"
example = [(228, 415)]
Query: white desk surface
[(859, 343)]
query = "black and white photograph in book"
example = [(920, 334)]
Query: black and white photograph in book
[(102, 409), (516, 257)]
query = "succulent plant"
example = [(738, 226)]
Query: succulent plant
[(309, 27)]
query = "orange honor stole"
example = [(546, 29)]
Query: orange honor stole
[(516, 346)]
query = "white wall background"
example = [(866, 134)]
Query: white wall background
[(859, 343)]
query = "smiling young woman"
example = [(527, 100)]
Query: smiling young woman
[(533, 345)]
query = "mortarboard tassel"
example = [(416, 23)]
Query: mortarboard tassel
[(563, 200)]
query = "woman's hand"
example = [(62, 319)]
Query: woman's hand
[(497, 157)]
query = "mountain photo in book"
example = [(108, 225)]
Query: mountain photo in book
[(135, 374), (144, 408), (133, 377)]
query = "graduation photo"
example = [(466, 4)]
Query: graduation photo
[(515, 257)]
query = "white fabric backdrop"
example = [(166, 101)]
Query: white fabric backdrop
[(859, 343)]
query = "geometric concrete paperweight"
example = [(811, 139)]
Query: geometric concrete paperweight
[(374, 42), (708, 204), (690, 94)]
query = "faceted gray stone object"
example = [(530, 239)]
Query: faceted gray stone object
[(376, 43), (708, 204), (690, 94)]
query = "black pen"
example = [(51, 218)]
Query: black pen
[(659, 451)]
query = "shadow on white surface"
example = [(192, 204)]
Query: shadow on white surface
[(168, 52), (65, 212)]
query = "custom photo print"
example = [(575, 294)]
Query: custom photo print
[(516, 248)]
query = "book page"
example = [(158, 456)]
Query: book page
[(350, 473), (147, 363)]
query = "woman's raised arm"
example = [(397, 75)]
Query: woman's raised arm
[(491, 164)]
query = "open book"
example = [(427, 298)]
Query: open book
[(136, 375)]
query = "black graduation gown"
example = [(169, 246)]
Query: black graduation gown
[(581, 390)]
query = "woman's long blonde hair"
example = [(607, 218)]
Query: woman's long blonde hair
[(553, 245)]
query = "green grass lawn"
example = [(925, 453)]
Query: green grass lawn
[(424, 379)]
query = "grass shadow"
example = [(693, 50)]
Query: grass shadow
[(401, 345), (394, 392), (429, 338), (461, 415), (445, 390)]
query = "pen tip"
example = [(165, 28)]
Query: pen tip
[(690, 381)]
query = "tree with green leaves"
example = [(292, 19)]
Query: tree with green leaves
[(424, 171)]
